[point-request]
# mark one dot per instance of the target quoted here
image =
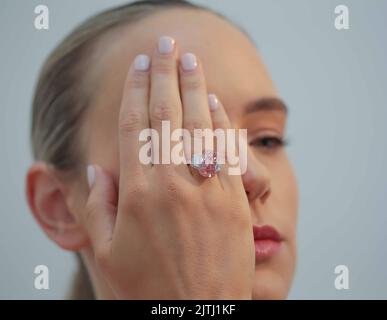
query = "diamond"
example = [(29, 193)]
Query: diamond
[(197, 161), (208, 166)]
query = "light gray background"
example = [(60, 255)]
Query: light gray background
[(335, 84)]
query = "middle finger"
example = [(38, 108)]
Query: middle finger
[(196, 114), (165, 105)]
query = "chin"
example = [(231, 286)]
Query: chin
[(270, 285), (270, 288)]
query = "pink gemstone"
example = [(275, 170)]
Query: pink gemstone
[(209, 157), (208, 171), (209, 166)]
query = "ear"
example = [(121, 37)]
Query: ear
[(48, 196)]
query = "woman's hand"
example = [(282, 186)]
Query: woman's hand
[(173, 234)]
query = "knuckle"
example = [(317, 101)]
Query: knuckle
[(138, 190), (189, 83), (130, 121), (164, 66), (171, 187), (137, 80), (196, 127), (173, 191), (161, 110)]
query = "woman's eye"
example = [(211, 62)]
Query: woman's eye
[(269, 143)]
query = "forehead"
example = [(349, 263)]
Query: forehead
[(231, 63)]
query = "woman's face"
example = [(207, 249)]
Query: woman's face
[(236, 74)]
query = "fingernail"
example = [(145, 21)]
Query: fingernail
[(141, 62), (166, 45), (212, 102), (188, 61), (90, 175)]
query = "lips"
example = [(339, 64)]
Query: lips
[(267, 242)]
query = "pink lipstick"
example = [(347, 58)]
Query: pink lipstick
[(267, 242)]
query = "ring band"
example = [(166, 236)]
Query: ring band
[(206, 164)]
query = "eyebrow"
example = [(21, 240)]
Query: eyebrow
[(267, 104)]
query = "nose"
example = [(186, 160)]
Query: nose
[(256, 179)]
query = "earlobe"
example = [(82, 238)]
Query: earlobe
[(47, 196)]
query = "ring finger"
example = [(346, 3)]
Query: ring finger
[(196, 114)]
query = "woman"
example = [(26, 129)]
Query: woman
[(162, 231)]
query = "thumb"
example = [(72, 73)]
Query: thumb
[(101, 207)]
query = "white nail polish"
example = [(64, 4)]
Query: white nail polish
[(188, 61), (166, 45), (212, 102), (141, 62), (90, 175)]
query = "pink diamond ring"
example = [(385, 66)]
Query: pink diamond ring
[(206, 164)]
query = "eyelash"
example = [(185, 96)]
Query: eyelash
[(269, 143)]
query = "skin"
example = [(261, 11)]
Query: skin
[(233, 70)]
